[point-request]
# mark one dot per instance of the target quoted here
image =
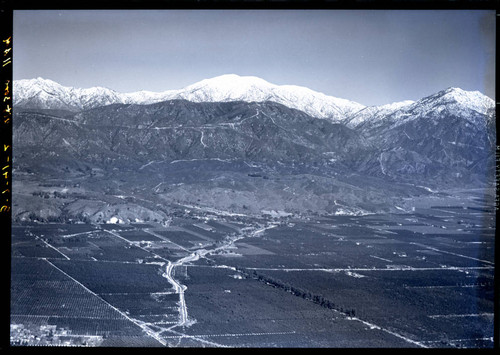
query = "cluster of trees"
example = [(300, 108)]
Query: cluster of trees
[(307, 295), (61, 218), (42, 194)]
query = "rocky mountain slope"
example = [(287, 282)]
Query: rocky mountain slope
[(244, 156), (180, 129), (450, 134)]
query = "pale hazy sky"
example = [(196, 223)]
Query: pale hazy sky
[(369, 56)]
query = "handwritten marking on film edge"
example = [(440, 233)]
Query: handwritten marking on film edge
[(7, 115)]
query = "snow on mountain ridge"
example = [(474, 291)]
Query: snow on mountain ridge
[(230, 81), (472, 105), (454, 101), (451, 101), (375, 113), (45, 93), (232, 87), (49, 94), (472, 99), (229, 87)]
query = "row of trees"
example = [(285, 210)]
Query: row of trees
[(62, 218), (307, 295)]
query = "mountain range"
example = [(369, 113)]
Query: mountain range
[(42, 93), (313, 149), (46, 94)]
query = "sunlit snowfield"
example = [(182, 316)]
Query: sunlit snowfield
[(422, 278)]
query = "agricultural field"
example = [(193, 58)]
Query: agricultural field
[(422, 278)]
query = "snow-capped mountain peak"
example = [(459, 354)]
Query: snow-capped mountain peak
[(229, 87), (230, 82), (45, 93), (37, 85), (451, 101), (471, 99), (232, 87)]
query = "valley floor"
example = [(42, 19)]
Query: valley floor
[(420, 278)]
